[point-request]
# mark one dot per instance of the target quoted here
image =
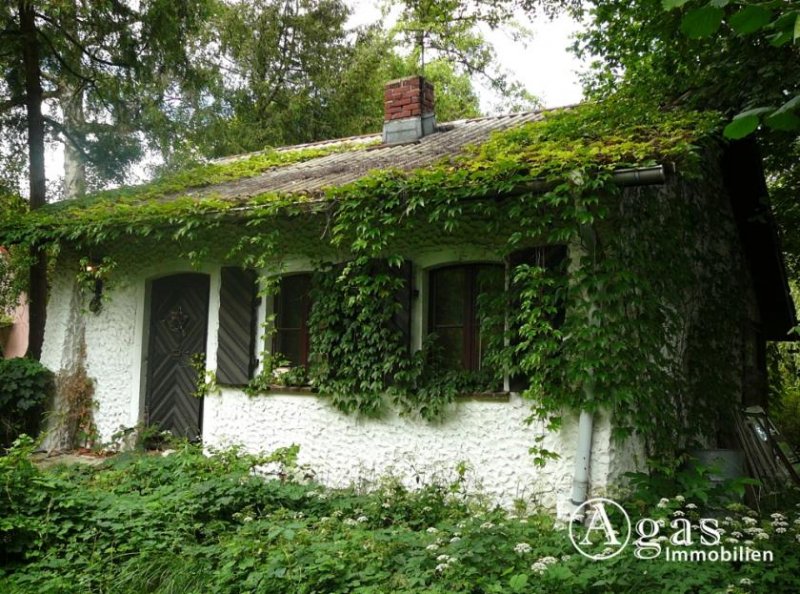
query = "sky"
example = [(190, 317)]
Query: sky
[(543, 64)]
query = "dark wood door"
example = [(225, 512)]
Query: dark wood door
[(178, 321)]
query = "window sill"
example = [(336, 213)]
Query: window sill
[(470, 397), (485, 397), (293, 390)]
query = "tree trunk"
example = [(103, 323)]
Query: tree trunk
[(74, 165), (37, 291)]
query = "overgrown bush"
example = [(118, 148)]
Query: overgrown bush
[(25, 386), (190, 523)]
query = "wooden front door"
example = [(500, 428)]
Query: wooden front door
[(178, 321)]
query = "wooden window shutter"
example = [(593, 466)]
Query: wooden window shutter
[(401, 320), (404, 295), (238, 306), (553, 258)]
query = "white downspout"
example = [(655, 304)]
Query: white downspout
[(583, 454), (583, 451)]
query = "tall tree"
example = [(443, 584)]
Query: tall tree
[(70, 64)]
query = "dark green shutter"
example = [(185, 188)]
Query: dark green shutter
[(402, 316), (553, 258), (238, 306)]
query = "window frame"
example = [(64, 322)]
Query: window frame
[(471, 354), (305, 311)]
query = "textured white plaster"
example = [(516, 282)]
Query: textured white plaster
[(491, 437)]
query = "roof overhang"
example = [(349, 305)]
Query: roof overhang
[(747, 188)]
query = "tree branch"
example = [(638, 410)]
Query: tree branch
[(61, 129), (79, 45), (20, 101)]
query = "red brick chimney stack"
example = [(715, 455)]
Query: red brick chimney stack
[(407, 110), (407, 97)]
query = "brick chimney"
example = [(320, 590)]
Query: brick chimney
[(407, 110)]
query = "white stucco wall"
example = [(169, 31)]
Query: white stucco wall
[(491, 437)]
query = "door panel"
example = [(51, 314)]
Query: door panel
[(178, 324)]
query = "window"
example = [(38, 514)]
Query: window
[(453, 311), (292, 307)]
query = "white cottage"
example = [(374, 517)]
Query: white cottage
[(158, 310)]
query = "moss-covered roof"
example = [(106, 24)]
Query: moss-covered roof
[(478, 156)]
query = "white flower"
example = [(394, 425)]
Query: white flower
[(566, 558), (538, 567), (797, 537), (732, 541), (777, 516), (431, 530), (443, 558), (678, 513), (441, 567), (749, 521), (680, 498), (737, 534), (762, 536), (691, 506), (432, 547), (746, 582), (549, 560), (753, 530), (522, 548), (487, 525), (780, 530), (362, 519), (523, 521), (350, 522), (663, 502)]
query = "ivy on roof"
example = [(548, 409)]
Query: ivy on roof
[(590, 137)]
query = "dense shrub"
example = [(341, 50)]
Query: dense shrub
[(190, 523), (25, 386)]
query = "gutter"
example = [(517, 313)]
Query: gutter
[(625, 178)]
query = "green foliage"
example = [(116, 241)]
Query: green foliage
[(609, 355), (190, 522), (25, 386), (206, 380), (779, 24)]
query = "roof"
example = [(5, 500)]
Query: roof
[(339, 168)]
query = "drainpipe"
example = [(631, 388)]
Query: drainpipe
[(583, 451)]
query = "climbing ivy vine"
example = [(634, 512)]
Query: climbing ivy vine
[(649, 297)]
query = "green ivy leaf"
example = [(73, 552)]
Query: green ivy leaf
[(745, 123), (670, 4), (783, 120), (702, 22), (750, 19)]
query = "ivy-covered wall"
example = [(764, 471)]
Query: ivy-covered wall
[(649, 328)]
